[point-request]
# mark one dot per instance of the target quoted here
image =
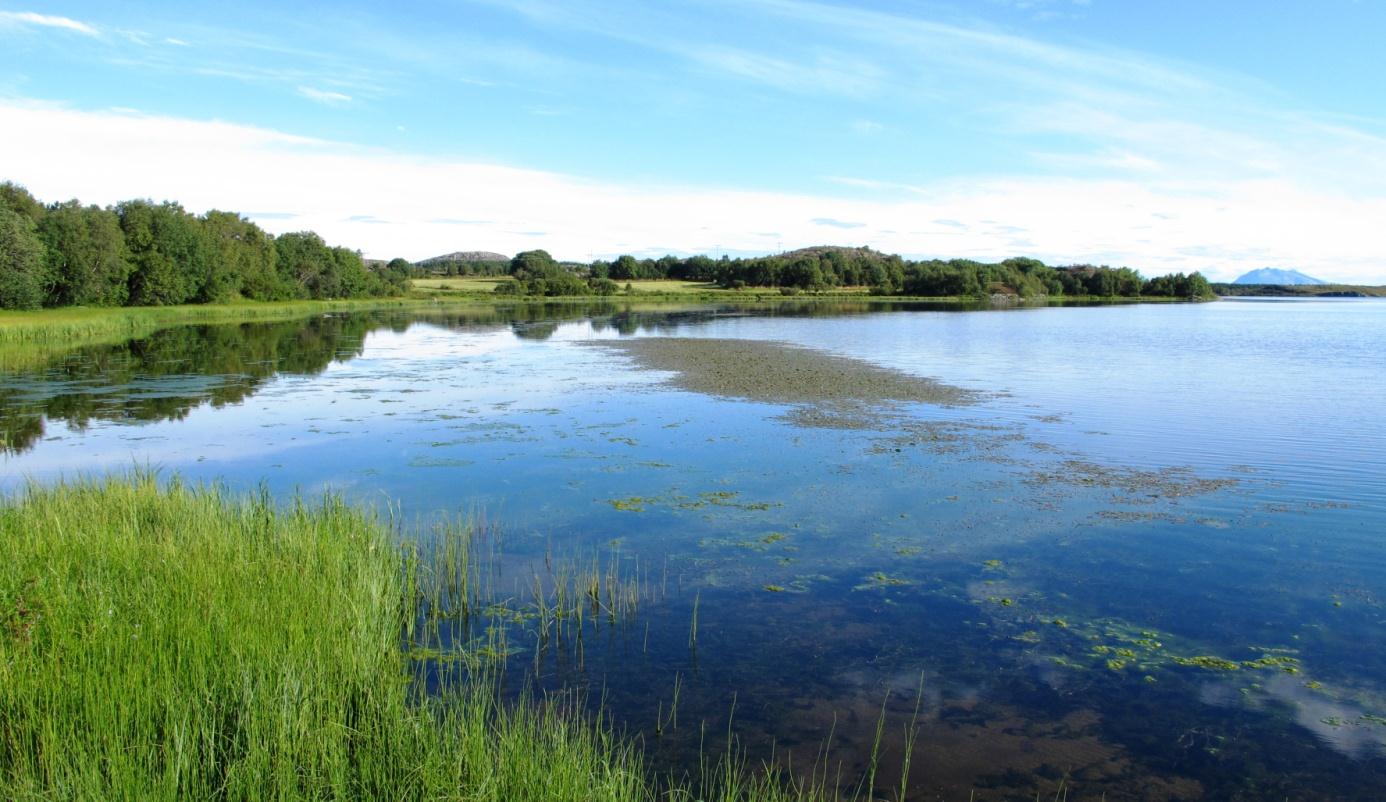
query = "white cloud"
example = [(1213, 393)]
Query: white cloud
[(1223, 227), (25, 18), (324, 96)]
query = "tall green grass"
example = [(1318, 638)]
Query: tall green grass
[(92, 323), (170, 642)]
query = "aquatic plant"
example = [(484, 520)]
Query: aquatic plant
[(880, 580)]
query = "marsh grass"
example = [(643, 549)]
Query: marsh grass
[(468, 611), (34, 339), (159, 641), (86, 323), (31, 339)]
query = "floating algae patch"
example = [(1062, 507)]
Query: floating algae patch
[(757, 544), (631, 504), (720, 498), (1119, 645), (835, 391), (979, 440), (841, 415), (1138, 486), (439, 462), (881, 580)]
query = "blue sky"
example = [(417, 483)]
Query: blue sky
[(1167, 136)]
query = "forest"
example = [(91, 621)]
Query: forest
[(142, 253), (826, 268)]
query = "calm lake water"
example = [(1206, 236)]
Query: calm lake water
[(1148, 564)]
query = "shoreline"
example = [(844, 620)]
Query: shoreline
[(86, 322), (32, 338)]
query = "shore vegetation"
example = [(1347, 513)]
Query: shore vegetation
[(161, 641)]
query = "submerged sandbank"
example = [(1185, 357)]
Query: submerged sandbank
[(781, 373)]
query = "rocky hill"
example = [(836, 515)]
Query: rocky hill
[(463, 256)]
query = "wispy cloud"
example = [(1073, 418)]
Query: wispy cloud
[(832, 223), (30, 18), (823, 72), (325, 96)]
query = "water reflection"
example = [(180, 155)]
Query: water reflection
[(170, 372), (164, 375)]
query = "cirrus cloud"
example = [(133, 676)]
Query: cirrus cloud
[(34, 19)]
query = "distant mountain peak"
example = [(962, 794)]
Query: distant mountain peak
[(1272, 275)]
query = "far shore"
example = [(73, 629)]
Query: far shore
[(24, 335)]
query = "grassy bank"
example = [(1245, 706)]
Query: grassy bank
[(35, 338), (482, 289), (90, 324), (70, 325), (174, 643)]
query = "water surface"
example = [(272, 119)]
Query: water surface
[(1145, 563)]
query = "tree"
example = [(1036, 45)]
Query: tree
[(244, 259), (88, 262), (169, 252), (301, 259), (625, 268), (1197, 287), (603, 286), (529, 264), (353, 280), (17, 199), (395, 276), (1163, 286), (803, 273), (23, 272)]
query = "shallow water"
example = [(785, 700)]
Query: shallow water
[(1147, 563)]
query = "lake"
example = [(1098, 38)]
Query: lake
[(1139, 555)]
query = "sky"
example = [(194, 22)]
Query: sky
[(1165, 136)]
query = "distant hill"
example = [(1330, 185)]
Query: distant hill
[(824, 250), (471, 257), (1271, 275)]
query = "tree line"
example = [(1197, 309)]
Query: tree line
[(825, 268), (142, 253)]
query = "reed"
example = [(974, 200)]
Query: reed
[(160, 641)]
